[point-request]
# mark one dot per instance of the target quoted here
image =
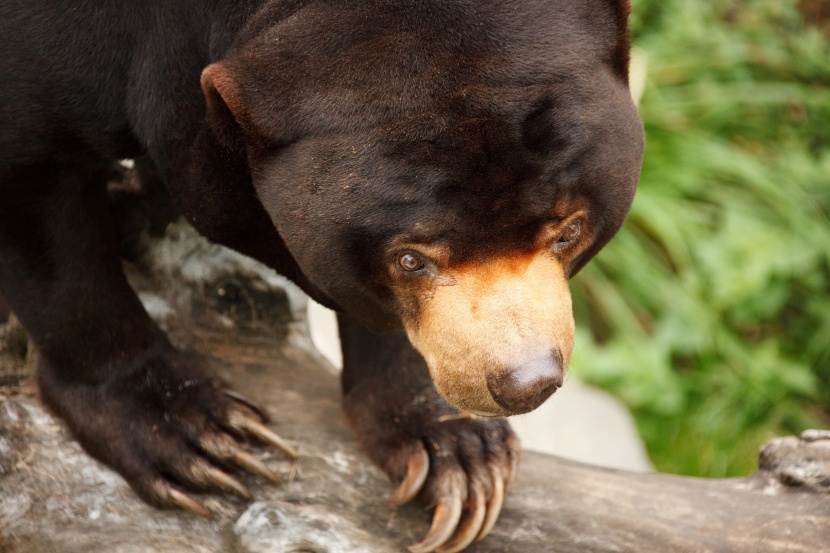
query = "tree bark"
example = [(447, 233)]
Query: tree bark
[(54, 498)]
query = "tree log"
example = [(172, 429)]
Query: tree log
[(248, 326)]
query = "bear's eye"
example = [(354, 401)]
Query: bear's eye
[(410, 262), (568, 235)]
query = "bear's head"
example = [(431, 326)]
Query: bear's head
[(444, 167)]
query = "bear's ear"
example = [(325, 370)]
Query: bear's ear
[(227, 112)]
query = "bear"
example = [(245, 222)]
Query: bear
[(434, 171)]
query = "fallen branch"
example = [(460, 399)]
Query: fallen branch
[(55, 498)]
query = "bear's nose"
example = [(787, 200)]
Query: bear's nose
[(523, 388)]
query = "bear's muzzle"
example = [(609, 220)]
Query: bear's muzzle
[(498, 340)]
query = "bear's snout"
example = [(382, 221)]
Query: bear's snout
[(525, 387), (498, 340)]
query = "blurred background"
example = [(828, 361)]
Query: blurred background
[(709, 314)]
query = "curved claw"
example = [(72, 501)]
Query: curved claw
[(225, 449), (417, 468), (236, 396), (187, 503), (469, 529), (227, 482), (255, 466), (243, 423), (445, 520), (493, 505), (203, 473)]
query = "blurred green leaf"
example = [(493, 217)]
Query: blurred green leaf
[(709, 314)]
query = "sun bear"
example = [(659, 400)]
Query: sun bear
[(435, 171)]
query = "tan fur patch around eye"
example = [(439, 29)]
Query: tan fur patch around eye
[(498, 314)]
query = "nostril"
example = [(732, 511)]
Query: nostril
[(524, 388)]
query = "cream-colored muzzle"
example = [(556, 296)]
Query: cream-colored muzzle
[(488, 323)]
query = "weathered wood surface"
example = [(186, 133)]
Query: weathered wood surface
[(53, 498)]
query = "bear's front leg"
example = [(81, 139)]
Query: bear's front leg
[(459, 463), (167, 426), (129, 397)]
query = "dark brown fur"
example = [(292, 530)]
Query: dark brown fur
[(317, 137)]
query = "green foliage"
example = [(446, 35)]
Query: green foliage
[(709, 314)]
